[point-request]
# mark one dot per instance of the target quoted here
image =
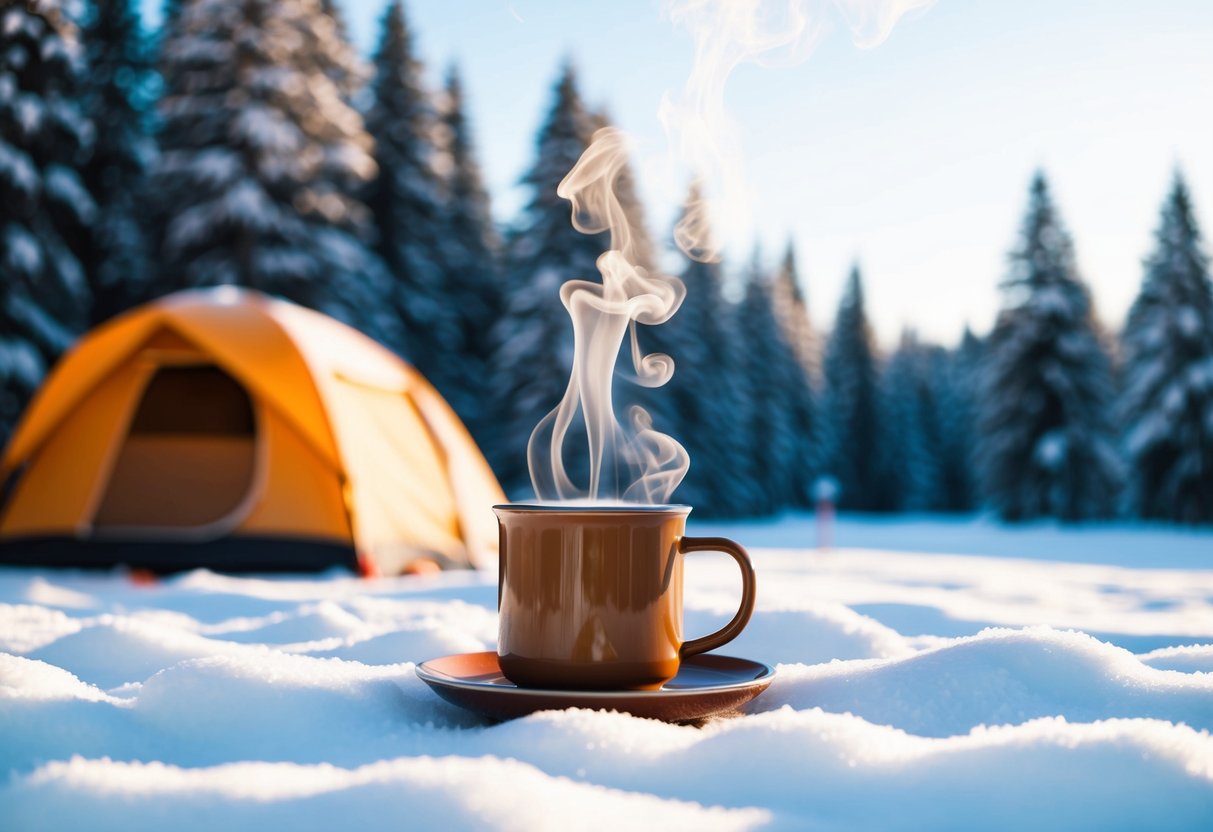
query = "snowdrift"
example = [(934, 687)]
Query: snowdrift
[(210, 701)]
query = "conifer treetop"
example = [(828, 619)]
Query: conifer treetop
[(1167, 397), (465, 183), (262, 153)]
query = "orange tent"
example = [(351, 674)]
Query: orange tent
[(226, 429)]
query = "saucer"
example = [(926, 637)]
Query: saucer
[(706, 685)]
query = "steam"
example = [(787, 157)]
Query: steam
[(632, 461), (728, 33), (649, 462)]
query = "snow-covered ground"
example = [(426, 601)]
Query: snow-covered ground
[(1045, 679)]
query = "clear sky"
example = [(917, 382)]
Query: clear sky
[(913, 157)]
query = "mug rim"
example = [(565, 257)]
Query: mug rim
[(533, 507)]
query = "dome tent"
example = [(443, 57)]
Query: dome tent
[(221, 428)]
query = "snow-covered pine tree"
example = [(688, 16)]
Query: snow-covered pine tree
[(341, 62), (911, 426), (705, 406), (470, 248), (117, 99), (260, 153), (856, 458), (1167, 403), (775, 381), (44, 207), (791, 310), (1046, 447), (955, 375), (534, 338), (406, 200)]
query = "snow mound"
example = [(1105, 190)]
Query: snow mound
[(27, 679), (113, 650), (47, 713), (284, 707), (578, 769), (998, 677), (822, 770), (26, 627), (414, 641), (53, 595), (1192, 658), (210, 701), (413, 793), (819, 632), (311, 622)]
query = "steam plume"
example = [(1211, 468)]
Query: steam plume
[(632, 461), (728, 33)]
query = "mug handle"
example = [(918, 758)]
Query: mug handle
[(733, 629)]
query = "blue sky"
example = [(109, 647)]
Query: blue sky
[(913, 157)]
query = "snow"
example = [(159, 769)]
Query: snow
[(215, 166), (64, 185), (18, 169), (20, 362), (932, 674), (24, 256), (37, 320)]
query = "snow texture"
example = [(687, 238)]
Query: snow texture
[(914, 691)]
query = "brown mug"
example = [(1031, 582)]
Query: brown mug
[(590, 598)]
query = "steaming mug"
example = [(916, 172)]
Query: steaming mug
[(591, 597)]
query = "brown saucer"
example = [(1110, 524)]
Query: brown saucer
[(706, 685)]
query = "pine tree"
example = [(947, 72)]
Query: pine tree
[(117, 101), (534, 338), (1045, 439), (856, 458), (911, 426), (705, 405), (44, 206), (791, 310), (406, 201), (775, 381), (471, 246), (340, 61), (955, 376), (260, 156), (1167, 404)]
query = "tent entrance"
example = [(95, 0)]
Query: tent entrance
[(189, 459)]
